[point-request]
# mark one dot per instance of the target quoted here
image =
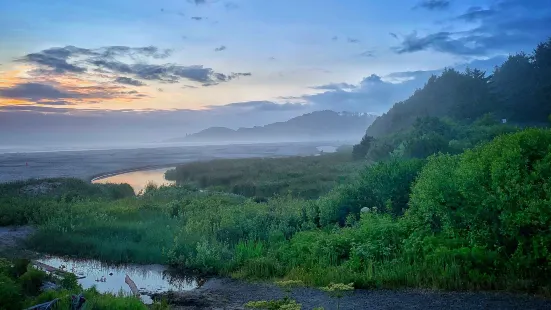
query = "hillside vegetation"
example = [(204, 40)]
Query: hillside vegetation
[(454, 110)]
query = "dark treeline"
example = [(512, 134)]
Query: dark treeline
[(452, 110)]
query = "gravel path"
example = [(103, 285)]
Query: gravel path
[(232, 294)]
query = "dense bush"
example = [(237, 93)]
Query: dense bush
[(495, 199), (10, 293), (384, 186), (32, 280)]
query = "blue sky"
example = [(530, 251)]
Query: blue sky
[(193, 57)]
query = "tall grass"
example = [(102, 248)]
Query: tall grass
[(304, 177)]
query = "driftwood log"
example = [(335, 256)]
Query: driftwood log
[(132, 285)]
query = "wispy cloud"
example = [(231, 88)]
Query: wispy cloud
[(334, 86), (128, 81), (368, 53), (433, 4), (220, 48), (108, 60), (231, 6), (499, 28)]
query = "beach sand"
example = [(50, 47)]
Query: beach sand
[(87, 165)]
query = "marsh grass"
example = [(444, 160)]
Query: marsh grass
[(304, 177)]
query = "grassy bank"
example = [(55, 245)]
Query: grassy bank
[(478, 220)]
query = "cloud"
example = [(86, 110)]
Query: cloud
[(376, 94), (129, 81), (367, 53), (445, 42), (34, 92), (197, 18), (504, 26), (335, 38), (132, 52), (231, 6), (57, 64), (56, 59), (372, 94), (395, 36), (334, 86), (475, 13), (433, 5), (258, 106), (49, 93), (352, 40), (220, 48), (107, 61), (189, 86)]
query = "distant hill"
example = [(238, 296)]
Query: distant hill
[(319, 125)]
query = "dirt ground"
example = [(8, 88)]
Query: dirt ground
[(232, 294), (11, 239)]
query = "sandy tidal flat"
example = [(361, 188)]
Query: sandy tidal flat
[(89, 164)]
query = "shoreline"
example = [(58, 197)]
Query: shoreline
[(106, 175), (97, 164)]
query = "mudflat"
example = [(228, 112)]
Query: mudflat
[(92, 163), (233, 294)]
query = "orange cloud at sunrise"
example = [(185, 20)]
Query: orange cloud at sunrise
[(91, 91)]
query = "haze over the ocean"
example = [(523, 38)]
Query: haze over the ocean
[(135, 70)]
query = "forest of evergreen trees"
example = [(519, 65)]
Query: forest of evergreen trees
[(456, 110)]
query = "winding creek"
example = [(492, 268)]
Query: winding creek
[(149, 279), (138, 179)]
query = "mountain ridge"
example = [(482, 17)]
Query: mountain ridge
[(318, 125)]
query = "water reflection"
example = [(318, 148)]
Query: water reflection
[(138, 179), (148, 278), (327, 149)]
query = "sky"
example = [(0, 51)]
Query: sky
[(138, 69)]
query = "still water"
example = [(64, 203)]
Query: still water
[(138, 179), (148, 278)]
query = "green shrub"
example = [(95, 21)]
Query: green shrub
[(384, 186), (32, 280), (496, 199), (19, 267), (10, 294)]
